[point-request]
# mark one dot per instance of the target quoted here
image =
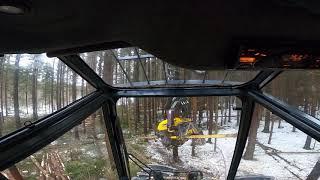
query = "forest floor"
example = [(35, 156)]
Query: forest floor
[(283, 159), (86, 158)]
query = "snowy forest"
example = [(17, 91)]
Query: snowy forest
[(33, 86)]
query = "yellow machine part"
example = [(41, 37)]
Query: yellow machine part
[(206, 136), (162, 126), (200, 136)]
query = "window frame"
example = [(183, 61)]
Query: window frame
[(106, 97)]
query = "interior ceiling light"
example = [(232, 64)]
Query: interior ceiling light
[(14, 7)]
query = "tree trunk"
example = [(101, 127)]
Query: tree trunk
[(221, 110), (248, 155), (315, 173), (92, 59), (216, 117), (108, 69), (229, 112), (107, 76), (266, 122), (210, 118), (52, 85), (74, 98), (145, 123), (194, 117), (154, 111), (62, 74), (313, 110), (279, 124), (58, 95), (238, 104), (271, 131), (6, 92), (34, 89), (16, 93), (1, 84), (122, 109), (307, 143), (126, 114), (150, 107), (1, 95), (92, 124), (67, 87), (82, 95), (137, 115), (45, 93)]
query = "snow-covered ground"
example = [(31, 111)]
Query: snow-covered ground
[(290, 144), (293, 161)]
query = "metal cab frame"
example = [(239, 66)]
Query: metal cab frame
[(23, 142)]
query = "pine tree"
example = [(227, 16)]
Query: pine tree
[(315, 173), (34, 90), (248, 155), (16, 92), (74, 98)]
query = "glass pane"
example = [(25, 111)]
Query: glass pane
[(189, 77), (298, 88), (33, 86), (159, 132), (81, 153), (133, 67), (277, 149)]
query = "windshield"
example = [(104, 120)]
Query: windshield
[(133, 67), (190, 134)]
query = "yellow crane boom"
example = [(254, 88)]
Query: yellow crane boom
[(205, 136), (197, 136)]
